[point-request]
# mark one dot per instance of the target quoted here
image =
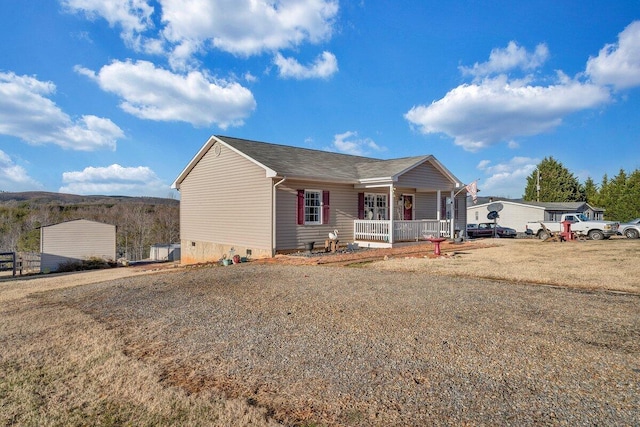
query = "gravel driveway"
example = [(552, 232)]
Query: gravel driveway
[(359, 347)]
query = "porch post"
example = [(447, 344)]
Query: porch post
[(452, 228), (439, 209), (391, 209)]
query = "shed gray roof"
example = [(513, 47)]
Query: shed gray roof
[(283, 160), (559, 206), (550, 206)]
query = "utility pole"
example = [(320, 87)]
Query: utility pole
[(538, 186)]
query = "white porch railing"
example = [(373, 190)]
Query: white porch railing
[(371, 230), (403, 231)]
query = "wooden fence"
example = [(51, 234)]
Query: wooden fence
[(19, 263)]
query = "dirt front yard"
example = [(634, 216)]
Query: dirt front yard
[(465, 339)]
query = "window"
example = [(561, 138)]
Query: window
[(312, 204), (375, 206), (313, 207)]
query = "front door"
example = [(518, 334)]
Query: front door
[(407, 207)]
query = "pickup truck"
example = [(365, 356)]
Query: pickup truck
[(580, 224)]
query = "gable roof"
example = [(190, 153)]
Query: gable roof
[(75, 220), (563, 206), (303, 163)]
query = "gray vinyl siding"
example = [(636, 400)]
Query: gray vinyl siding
[(426, 206), (425, 176), (75, 241), (343, 200), (226, 199)]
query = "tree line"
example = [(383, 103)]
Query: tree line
[(619, 196), (140, 222)]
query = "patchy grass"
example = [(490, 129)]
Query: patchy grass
[(60, 367), (595, 265)]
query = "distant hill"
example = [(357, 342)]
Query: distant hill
[(44, 197)]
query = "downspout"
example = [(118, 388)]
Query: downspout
[(273, 216)]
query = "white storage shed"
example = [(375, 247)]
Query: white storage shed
[(74, 241), (167, 252)]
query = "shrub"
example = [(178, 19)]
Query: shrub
[(93, 263)]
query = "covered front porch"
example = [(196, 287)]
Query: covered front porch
[(387, 233), (405, 212)]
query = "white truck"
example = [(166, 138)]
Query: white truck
[(580, 225)]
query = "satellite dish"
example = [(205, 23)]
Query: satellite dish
[(493, 215), (495, 207)]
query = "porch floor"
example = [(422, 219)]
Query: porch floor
[(379, 244)]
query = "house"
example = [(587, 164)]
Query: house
[(75, 241), (256, 199), (515, 213)]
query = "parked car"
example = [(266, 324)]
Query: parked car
[(470, 227), (486, 229), (630, 229)]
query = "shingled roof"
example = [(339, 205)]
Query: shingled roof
[(303, 163)]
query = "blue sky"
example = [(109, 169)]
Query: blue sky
[(116, 96)]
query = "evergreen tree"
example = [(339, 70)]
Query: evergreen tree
[(620, 196), (604, 196), (590, 190), (557, 184), (633, 187)]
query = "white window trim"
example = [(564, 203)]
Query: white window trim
[(320, 207), (375, 205)]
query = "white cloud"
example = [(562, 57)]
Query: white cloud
[(497, 110), (246, 27), (27, 113), (114, 180), (509, 58), (618, 64), (349, 143), (240, 27), (507, 179), (324, 67), (14, 177), (250, 77), (153, 93), (133, 16)]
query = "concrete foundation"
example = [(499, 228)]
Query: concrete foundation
[(194, 252)]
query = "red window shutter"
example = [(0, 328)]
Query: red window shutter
[(360, 205), (300, 207), (326, 211)]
